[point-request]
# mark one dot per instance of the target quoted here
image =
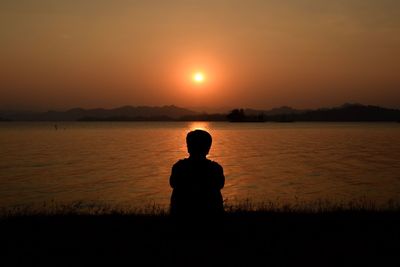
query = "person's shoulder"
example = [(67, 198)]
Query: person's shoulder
[(180, 163), (215, 165)]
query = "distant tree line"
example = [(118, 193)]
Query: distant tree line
[(204, 117), (238, 115), (343, 113), (128, 118), (347, 112), (3, 119)]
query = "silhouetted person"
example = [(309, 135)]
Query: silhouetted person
[(197, 181)]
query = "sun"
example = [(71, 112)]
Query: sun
[(198, 77)]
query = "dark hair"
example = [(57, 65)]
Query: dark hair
[(198, 142)]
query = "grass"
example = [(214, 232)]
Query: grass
[(247, 206), (319, 233)]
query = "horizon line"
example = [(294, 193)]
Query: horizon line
[(194, 109)]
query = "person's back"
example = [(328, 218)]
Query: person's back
[(197, 181)]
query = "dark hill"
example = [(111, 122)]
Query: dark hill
[(350, 112), (346, 112), (273, 111), (126, 112)]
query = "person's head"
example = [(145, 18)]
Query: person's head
[(198, 143)]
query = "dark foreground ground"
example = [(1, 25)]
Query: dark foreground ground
[(240, 238)]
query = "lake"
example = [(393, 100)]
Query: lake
[(129, 163)]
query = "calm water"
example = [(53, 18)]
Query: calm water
[(130, 163)]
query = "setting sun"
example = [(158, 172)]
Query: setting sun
[(198, 77)]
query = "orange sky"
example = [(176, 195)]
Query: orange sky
[(261, 54)]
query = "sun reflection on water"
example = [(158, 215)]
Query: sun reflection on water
[(198, 125)]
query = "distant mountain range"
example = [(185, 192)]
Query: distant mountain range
[(346, 112), (121, 113), (274, 111)]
